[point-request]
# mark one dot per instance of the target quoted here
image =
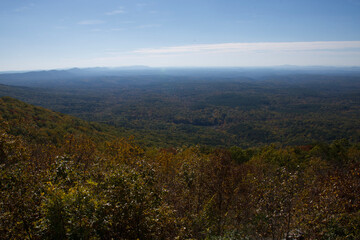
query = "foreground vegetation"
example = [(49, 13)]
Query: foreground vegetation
[(83, 189)]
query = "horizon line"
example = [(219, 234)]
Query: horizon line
[(136, 67)]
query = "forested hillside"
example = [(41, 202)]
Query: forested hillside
[(117, 189), (40, 125), (208, 107), (192, 156)]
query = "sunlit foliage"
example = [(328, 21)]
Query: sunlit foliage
[(80, 188)]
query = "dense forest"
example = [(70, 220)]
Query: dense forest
[(79, 188), (223, 107), (192, 156)]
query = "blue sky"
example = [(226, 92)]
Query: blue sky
[(49, 34)]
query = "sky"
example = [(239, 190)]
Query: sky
[(50, 34)]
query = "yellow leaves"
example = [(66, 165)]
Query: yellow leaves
[(50, 188), (91, 182)]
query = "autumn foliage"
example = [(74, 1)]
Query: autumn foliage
[(81, 189)]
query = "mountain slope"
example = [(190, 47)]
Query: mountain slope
[(42, 125)]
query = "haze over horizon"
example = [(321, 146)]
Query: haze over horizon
[(43, 34)]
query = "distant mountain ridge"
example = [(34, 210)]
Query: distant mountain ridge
[(80, 76)]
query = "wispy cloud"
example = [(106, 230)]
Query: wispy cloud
[(142, 4), (115, 12), (116, 29), (96, 30), (24, 8), (261, 46), (127, 22), (149, 26), (91, 22), (61, 27)]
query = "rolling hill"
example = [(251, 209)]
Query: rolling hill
[(41, 125)]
